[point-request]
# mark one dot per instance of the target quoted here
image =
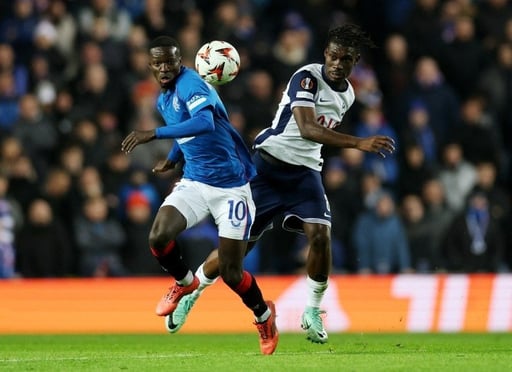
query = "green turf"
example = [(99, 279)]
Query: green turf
[(182, 352)]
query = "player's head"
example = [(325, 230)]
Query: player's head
[(165, 60), (343, 50)]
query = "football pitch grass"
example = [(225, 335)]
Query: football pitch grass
[(230, 352)]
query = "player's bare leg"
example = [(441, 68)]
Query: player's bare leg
[(169, 222), (318, 266), (231, 255), (207, 274)]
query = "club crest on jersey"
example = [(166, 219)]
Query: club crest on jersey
[(175, 103), (307, 83)]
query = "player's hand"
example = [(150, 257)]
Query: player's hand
[(135, 138), (163, 166), (381, 145)]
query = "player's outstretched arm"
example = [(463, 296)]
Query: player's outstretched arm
[(137, 137)]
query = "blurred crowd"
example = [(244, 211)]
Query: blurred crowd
[(74, 81)]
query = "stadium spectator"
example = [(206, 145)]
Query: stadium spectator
[(66, 29), (414, 171), (474, 240), (394, 75), (464, 47), (7, 231), (37, 134), (155, 19), (380, 239), (371, 188), (23, 180), (100, 240), (438, 216), (491, 17), (478, 133), (104, 15), (18, 71), (344, 197), (137, 224), (372, 122), (45, 49), (441, 101), (43, 245), (17, 29), (146, 156), (86, 134), (418, 131), (138, 181), (457, 175), (499, 200), (9, 109), (423, 29), (115, 172), (257, 103), (97, 91), (418, 230), (494, 83)]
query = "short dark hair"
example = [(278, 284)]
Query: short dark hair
[(350, 35), (163, 41)]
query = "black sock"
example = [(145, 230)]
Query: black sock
[(250, 294), (171, 260)]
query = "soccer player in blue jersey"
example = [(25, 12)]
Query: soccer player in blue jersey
[(288, 161), (215, 182)]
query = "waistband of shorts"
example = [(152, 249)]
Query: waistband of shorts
[(275, 161)]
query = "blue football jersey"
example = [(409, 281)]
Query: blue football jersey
[(218, 158), (309, 88)]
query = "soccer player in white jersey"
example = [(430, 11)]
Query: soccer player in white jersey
[(215, 182), (288, 161)]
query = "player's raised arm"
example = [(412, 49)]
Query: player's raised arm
[(311, 130)]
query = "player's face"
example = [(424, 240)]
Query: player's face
[(165, 63), (339, 61)]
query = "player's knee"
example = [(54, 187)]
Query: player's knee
[(160, 237), (319, 239)]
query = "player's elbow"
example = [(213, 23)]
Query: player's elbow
[(204, 122), (310, 132)]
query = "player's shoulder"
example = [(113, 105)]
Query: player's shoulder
[(314, 69), (190, 81), (188, 75)]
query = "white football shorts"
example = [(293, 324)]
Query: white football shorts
[(232, 208)]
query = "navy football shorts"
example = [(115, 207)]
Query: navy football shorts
[(295, 191)]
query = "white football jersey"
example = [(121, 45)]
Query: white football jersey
[(308, 88)]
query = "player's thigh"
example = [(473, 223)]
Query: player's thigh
[(233, 210), (307, 203), (269, 202), (189, 198)]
